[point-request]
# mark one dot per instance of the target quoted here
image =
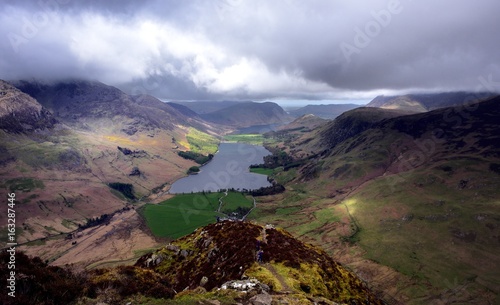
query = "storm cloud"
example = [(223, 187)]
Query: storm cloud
[(239, 49)]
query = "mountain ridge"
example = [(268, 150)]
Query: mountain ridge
[(330, 111), (428, 102)]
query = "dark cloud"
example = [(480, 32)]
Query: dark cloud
[(318, 49)]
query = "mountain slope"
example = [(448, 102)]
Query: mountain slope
[(248, 114), (415, 196), (428, 102), (324, 111), (19, 112)]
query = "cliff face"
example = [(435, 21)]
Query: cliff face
[(21, 113)]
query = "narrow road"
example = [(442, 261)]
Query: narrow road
[(254, 206), (220, 203)]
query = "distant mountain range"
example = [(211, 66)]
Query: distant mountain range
[(248, 114), (203, 107), (237, 114)]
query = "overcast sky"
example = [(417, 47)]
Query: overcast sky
[(256, 49)]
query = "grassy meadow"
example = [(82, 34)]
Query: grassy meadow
[(254, 139), (200, 142), (184, 213), (234, 200)]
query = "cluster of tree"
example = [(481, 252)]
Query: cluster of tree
[(193, 169), (127, 151), (196, 157), (97, 221), (268, 190), (126, 189), (276, 159)]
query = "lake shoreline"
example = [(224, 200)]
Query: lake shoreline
[(228, 169)]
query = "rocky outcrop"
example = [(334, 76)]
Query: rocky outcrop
[(246, 285), (21, 113), (223, 256)]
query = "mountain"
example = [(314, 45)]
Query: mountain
[(80, 155), (83, 104), (248, 114), (323, 111), (215, 264), (304, 123), (428, 102), (415, 196), (19, 112)]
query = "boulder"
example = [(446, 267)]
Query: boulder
[(261, 299), (246, 285)]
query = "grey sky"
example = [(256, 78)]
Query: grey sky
[(259, 49)]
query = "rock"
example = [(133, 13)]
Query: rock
[(261, 299), (172, 248), (203, 281), (246, 285), (207, 242), (213, 252), (184, 253)]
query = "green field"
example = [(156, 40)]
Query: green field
[(200, 142), (184, 213), (235, 200), (255, 139), (262, 171)]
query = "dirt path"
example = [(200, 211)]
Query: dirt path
[(284, 285)]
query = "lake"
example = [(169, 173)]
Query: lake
[(228, 169)]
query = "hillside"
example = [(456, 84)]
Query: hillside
[(306, 122), (248, 114), (428, 102), (215, 264), (410, 202), (328, 112), (108, 151)]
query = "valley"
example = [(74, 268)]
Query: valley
[(406, 200)]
